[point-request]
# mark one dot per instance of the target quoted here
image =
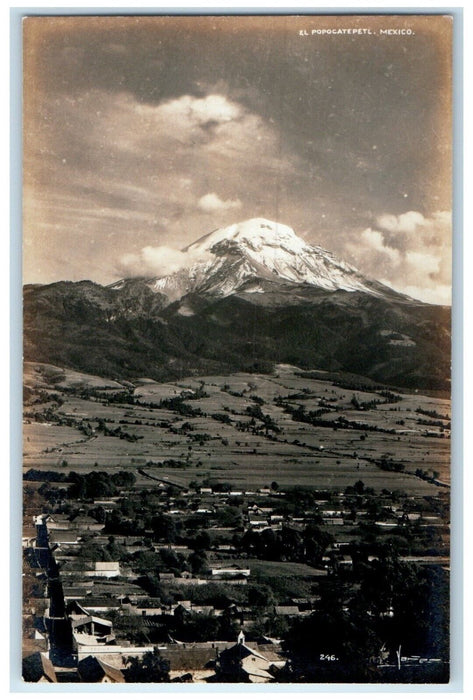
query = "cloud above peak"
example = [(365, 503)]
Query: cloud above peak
[(211, 203)]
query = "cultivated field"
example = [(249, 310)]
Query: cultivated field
[(244, 429)]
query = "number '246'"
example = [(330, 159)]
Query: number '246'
[(328, 657)]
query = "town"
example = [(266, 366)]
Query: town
[(163, 570)]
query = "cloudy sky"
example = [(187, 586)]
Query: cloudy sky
[(141, 134)]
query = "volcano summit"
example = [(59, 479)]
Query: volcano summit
[(257, 256)]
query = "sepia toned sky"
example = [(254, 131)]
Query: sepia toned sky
[(141, 134)]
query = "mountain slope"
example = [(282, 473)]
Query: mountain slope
[(123, 334)]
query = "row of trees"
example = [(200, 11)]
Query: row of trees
[(96, 484), (288, 544)]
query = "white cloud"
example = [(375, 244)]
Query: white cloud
[(374, 240), (158, 261), (423, 263), (405, 223), (410, 252), (442, 217), (211, 202), (201, 110), (152, 261), (184, 121), (414, 226), (441, 294)]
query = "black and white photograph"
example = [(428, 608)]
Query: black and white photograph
[(237, 288)]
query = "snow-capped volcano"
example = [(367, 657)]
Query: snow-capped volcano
[(252, 294), (244, 257)]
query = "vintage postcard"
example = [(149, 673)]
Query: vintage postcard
[(237, 328)]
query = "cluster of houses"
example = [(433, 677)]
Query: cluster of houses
[(205, 662), (83, 596), (75, 641)]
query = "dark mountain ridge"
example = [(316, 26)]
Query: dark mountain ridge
[(133, 331)]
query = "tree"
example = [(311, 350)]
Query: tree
[(229, 516), (354, 402), (316, 542), (130, 627), (202, 541), (99, 513), (291, 544), (151, 668), (198, 562), (260, 595), (359, 487), (164, 528), (277, 626)]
